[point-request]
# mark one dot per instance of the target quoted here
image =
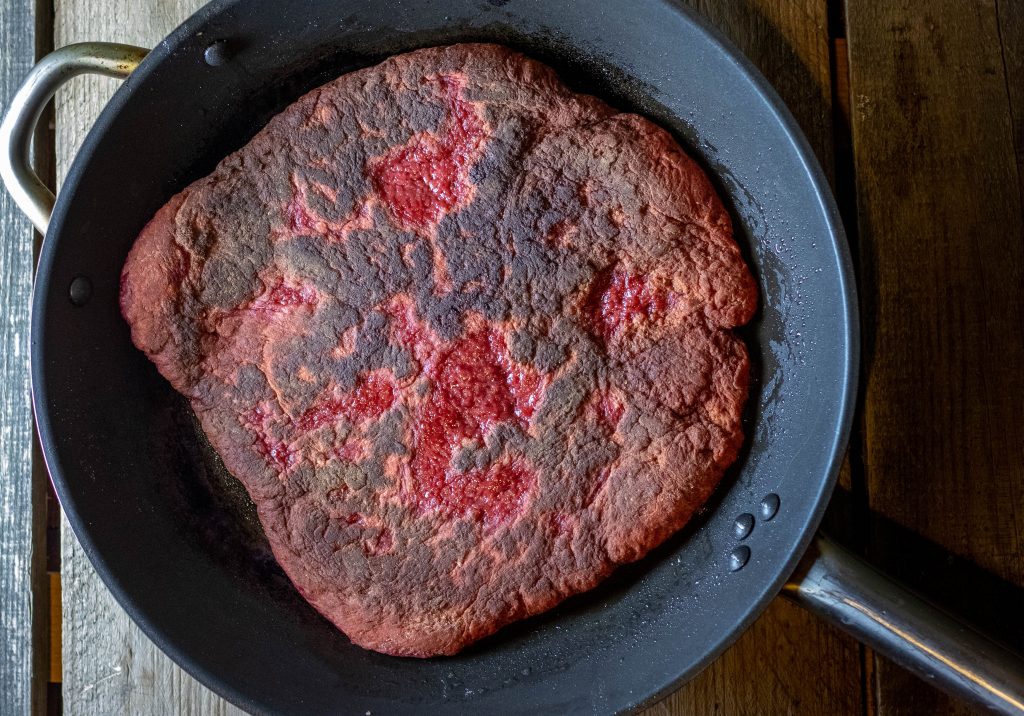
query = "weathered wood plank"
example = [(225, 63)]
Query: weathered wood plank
[(22, 602), (109, 666), (1010, 16), (941, 232)]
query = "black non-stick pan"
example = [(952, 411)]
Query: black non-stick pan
[(176, 543)]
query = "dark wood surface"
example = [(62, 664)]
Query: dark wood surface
[(936, 90), (22, 596), (916, 112)]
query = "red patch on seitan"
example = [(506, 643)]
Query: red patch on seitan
[(474, 387), (277, 453), (423, 180), (561, 524), (289, 296), (371, 398), (620, 299), (282, 297), (301, 220), (609, 409), (525, 385)]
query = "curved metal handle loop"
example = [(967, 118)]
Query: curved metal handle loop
[(103, 58), (846, 591)]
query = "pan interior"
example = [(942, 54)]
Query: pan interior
[(175, 537)]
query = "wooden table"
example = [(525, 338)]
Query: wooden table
[(916, 111)]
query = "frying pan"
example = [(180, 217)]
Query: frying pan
[(173, 538)]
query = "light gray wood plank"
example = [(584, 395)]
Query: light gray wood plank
[(109, 666), (22, 605)]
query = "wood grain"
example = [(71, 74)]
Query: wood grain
[(1010, 19), (786, 663), (110, 667), (22, 598), (935, 92)]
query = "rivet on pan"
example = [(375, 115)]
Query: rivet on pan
[(80, 290), (216, 54), (738, 558), (743, 525), (769, 506)]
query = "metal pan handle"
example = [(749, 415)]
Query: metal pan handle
[(843, 589), (102, 58)]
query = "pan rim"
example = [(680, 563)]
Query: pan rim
[(848, 310), (851, 331)]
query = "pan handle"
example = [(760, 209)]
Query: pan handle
[(843, 589), (18, 126)]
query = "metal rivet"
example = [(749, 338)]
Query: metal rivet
[(743, 525), (738, 558), (80, 290), (769, 506), (216, 54)]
